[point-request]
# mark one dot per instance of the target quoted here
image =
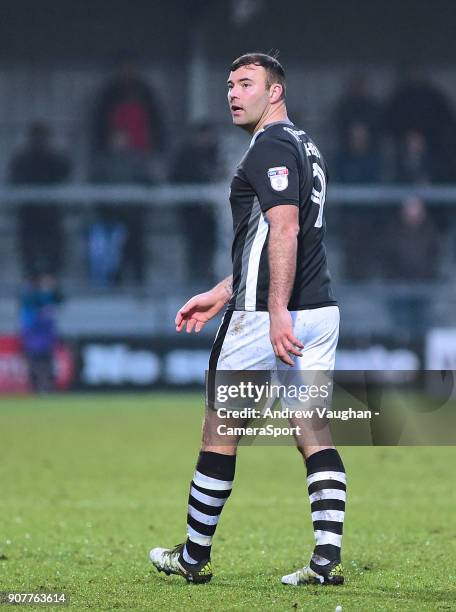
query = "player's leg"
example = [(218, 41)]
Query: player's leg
[(326, 478), (235, 348), (210, 489), (326, 484)]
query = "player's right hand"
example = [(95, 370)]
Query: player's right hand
[(198, 311)]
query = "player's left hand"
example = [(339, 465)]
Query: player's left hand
[(283, 341)]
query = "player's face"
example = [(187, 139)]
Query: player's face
[(248, 95)]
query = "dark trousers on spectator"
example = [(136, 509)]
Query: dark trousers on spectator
[(40, 238), (41, 371), (198, 228)]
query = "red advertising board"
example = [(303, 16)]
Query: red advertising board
[(14, 376)]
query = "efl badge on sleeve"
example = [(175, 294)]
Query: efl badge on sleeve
[(278, 177)]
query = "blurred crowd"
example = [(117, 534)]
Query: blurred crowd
[(409, 137), (128, 145)]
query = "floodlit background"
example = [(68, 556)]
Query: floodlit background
[(117, 152)]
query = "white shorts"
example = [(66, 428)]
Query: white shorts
[(242, 341)]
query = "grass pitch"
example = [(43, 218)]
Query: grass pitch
[(90, 483)]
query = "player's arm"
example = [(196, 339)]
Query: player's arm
[(202, 307), (282, 253), (274, 172)]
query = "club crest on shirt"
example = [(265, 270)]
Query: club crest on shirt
[(278, 177)]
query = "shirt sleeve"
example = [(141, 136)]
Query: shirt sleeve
[(272, 170)]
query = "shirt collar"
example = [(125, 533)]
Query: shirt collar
[(267, 126)]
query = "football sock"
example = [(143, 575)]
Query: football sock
[(326, 481), (209, 490)]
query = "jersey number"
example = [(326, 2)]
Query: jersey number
[(319, 194)]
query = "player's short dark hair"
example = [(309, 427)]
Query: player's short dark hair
[(274, 70)]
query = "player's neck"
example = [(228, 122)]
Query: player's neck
[(272, 115)]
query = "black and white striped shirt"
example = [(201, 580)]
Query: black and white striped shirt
[(281, 166)]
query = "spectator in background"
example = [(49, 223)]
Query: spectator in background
[(415, 163), (38, 301), (40, 225), (359, 160), (413, 244), (198, 161), (418, 106), (119, 163), (362, 241), (127, 103), (412, 257), (357, 106), (116, 239)]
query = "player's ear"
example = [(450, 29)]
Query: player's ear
[(275, 92)]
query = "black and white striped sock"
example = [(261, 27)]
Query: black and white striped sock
[(326, 481), (209, 490)]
